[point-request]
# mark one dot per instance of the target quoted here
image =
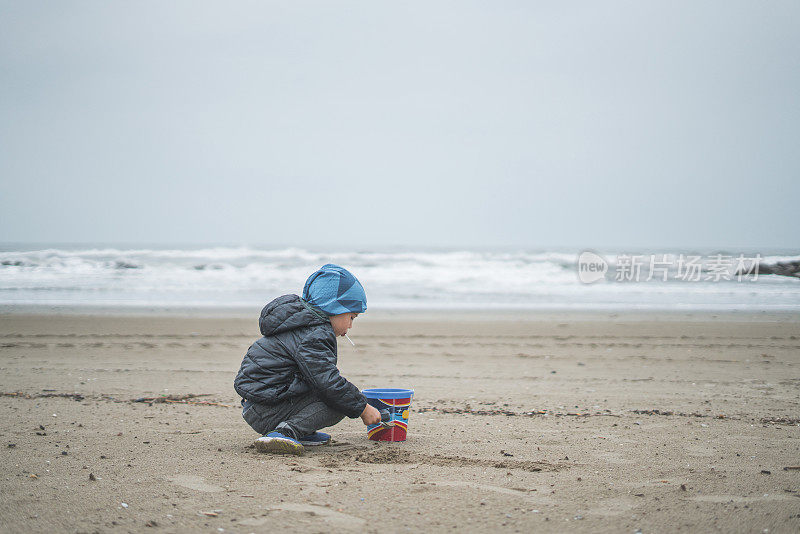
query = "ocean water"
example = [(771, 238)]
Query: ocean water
[(249, 276)]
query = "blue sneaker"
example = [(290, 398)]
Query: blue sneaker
[(277, 443), (317, 438)]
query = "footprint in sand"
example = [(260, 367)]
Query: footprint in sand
[(524, 493), (335, 518), (482, 487), (742, 499), (193, 482), (615, 458), (696, 450), (612, 507)]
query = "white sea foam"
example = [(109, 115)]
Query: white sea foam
[(250, 276)]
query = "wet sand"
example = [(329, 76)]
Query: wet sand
[(521, 421)]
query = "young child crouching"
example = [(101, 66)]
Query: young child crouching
[(289, 383)]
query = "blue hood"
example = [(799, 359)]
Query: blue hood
[(334, 290)]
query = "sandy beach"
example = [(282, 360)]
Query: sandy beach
[(521, 422)]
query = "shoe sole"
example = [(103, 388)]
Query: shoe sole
[(278, 446), (314, 443)]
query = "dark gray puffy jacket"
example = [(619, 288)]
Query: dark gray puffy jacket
[(296, 356)]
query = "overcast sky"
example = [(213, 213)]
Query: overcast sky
[(522, 124)]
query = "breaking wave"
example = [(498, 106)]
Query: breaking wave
[(460, 279)]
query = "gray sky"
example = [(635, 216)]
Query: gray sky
[(524, 124)]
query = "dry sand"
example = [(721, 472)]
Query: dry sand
[(521, 422)]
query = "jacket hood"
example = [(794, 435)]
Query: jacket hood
[(287, 313)]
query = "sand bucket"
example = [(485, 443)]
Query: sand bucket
[(395, 423)]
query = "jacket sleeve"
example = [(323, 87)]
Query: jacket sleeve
[(315, 357)]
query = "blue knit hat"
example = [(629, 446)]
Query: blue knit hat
[(334, 290)]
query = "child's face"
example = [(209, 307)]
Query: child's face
[(342, 323)]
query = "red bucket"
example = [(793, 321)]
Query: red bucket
[(395, 401)]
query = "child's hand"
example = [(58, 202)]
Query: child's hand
[(371, 415)]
